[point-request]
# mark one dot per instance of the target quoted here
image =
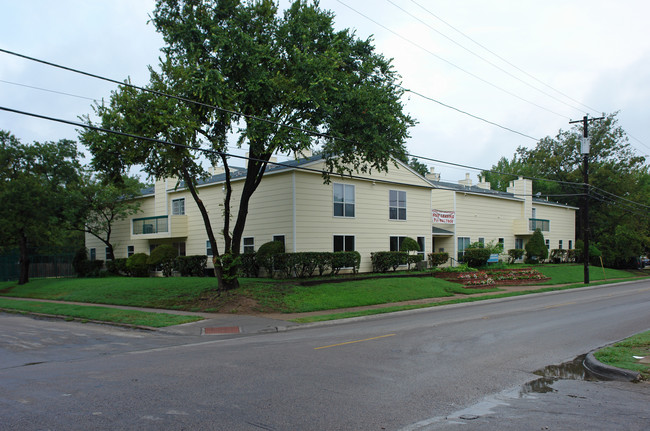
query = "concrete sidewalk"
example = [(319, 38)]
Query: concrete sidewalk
[(212, 323)]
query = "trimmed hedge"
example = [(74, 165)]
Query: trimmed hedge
[(436, 259), (382, 261), (304, 264), (515, 254), (117, 266), (191, 266), (163, 257), (137, 265), (476, 257)]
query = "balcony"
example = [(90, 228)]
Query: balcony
[(527, 227), (543, 225), (159, 227)]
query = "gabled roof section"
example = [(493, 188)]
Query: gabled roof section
[(461, 188)]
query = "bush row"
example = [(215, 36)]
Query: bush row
[(139, 265), (302, 264)]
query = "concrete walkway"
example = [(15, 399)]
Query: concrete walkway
[(215, 324)]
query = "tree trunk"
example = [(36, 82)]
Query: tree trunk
[(23, 260)]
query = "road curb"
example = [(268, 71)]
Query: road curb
[(608, 372)]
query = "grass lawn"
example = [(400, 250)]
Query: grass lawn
[(332, 296), (266, 295), (103, 314), (168, 293), (574, 273), (622, 354)]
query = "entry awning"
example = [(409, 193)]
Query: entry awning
[(436, 231)]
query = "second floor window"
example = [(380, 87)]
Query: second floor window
[(343, 200), (397, 205), (178, 206)]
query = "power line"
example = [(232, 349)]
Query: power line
[(503, 59), (471, 115), (452, 64), (237, 113), (47, 90), (474, 168), (207, 150), (483, 58)]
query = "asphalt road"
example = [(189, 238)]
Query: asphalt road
[(453, 367)]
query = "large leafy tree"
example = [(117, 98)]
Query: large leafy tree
[(36, 191), (101, 202), (620, 185), (273, 77)]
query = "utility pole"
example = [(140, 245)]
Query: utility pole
[(584, 149)]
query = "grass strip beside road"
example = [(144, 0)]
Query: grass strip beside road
[(97, 313), (621, 354)]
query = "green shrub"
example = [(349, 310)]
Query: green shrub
[(382, 261), (345, 259), (324, 263), (515, 254), (536, 250), (266, 256), (436, 259), (163, 257), (409, 245), (476, 257), (116, 266), (558, 255), (137, 265), (191, 266), (249, 265), (79, 261)]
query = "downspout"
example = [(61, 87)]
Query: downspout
[(455, 256), (293, 196)]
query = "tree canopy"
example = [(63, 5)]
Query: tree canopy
[(619, 181), (280, 83), (36, 192)]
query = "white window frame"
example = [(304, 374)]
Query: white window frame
[(348, 192), (178, 206), (130, 250), (208, 248), (93, 254), (461, 250), (397, 206), (345, 238), (248, 248), (422, 242)]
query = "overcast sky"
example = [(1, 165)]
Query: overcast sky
[(570, 58)]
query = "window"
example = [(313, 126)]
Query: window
[(130, 250), (180, 246), (396, 242), (279, 238), (343, 200), (463, 243), (152, 247), (178, 206), (570, 244), (422, 244), (560, 245), (502, 243), (396, 205), (93, 254), (208, 248), (481, 241), (249, 244), (548, 243), (519, 243), (343, 242)]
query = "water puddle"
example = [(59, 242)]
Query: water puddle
[(572, 370)]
